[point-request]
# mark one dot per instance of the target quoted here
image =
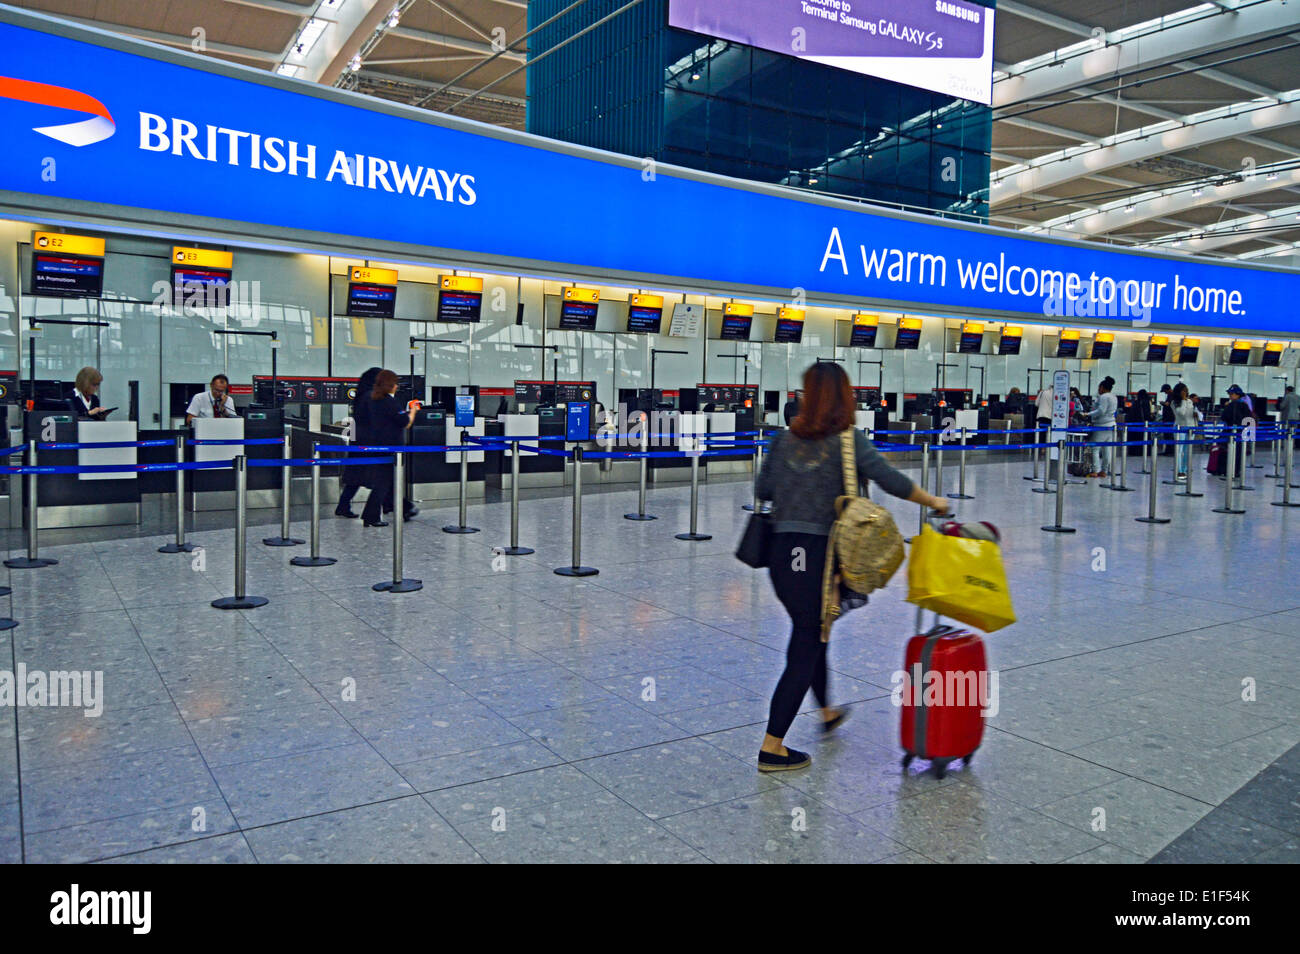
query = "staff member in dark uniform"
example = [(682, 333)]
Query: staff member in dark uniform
[(84, 403), (388, 421), (354, 478)]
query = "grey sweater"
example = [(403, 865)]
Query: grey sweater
[(802, 479)]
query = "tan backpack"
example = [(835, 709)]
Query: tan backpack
[(865, 548)]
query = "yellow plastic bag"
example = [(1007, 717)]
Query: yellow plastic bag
[(960, 578)]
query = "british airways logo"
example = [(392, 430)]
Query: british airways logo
[(96, 128)]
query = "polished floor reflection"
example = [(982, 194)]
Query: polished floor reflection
[(504, 713)]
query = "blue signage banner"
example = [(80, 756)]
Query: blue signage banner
[(97, 124)]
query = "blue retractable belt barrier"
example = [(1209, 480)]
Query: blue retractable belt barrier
[(235, 442), (98, 444), (319, 462), (117, 468)]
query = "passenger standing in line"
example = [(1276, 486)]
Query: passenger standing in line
[(802, 475), (791, 410), (388, 422), (1184, 420), (1166, 414), (1043, 413), (1235, 413), (353, 478), (1288, 406), (1103, 415)]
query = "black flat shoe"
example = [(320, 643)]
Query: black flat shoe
[(830, 725), (345, 513), (377, 523), (793, 759)]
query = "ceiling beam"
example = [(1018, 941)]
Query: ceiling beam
[(1168, 40)]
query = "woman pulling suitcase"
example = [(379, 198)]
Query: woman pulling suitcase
[(802, 476)]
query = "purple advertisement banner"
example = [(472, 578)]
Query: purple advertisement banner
[(883, 38)]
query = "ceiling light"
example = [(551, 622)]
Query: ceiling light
[(1271, 177), (1069, 226), (394, 17), (311, 32), (287, 69), (1197, 191), (354, 64), (1128, 210), (695, 77)]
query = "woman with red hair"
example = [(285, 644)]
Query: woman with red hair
[(802, 475)]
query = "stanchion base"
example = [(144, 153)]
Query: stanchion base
[(959, 496), (1044, 490), (1225, 510), (1279, 503), (1121, 489), (7, 623), (313, 561), (22, 563), (576, 571), (177, 548), (398, 586), (1034, 479), (1188, 493), (518, 551), (283, 542), (1152, 519), (240, 602), (451, 529), (694, 536), (1055, 529), (639, 516), (5, 591), (747, 507)]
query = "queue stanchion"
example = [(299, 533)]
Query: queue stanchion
[(961, 471), (641, 485), (1047, 487), (399, 583), (241, 599), (1287, 459), (1229, 503), (693, 533), (462, 527), (938, 466), (180, 546), (515, 549), (1006, 437), (1122, 486), (286, 498), (1153, 486), (1039, 445), (1187, 490), (315, 559), (33, 560), (925, 476), (1277, 458), (1060, 527), (575, 567), (1250, 456), (758, 466), (1146, 448)]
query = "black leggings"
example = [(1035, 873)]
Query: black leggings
[(797, 579), (381, 492)]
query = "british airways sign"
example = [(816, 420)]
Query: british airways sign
[(125, 124)]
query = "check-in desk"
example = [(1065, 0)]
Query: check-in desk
[(437, 476), (84, 500), (535, 470), (728, 422), (215, 489)]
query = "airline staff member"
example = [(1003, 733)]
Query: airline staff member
[(84, 403), (214, 402), (388, 423)]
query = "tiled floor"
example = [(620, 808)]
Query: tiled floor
[(504, 713)]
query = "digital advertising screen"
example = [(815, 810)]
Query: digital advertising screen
[(908, 337), (971, 342), (1272, 356), (66, 276), (203, 287), (945, 46), (371, 301), (789, 326), (1157, 351), (1101, 348), (1009, 342), (1239, 356), (460, 299), (1067, 348), (645, 314), (863, 334), (578, 315), (1189, 352), (735, 327), (464, 410)]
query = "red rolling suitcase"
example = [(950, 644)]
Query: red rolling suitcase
[(943, 695)]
